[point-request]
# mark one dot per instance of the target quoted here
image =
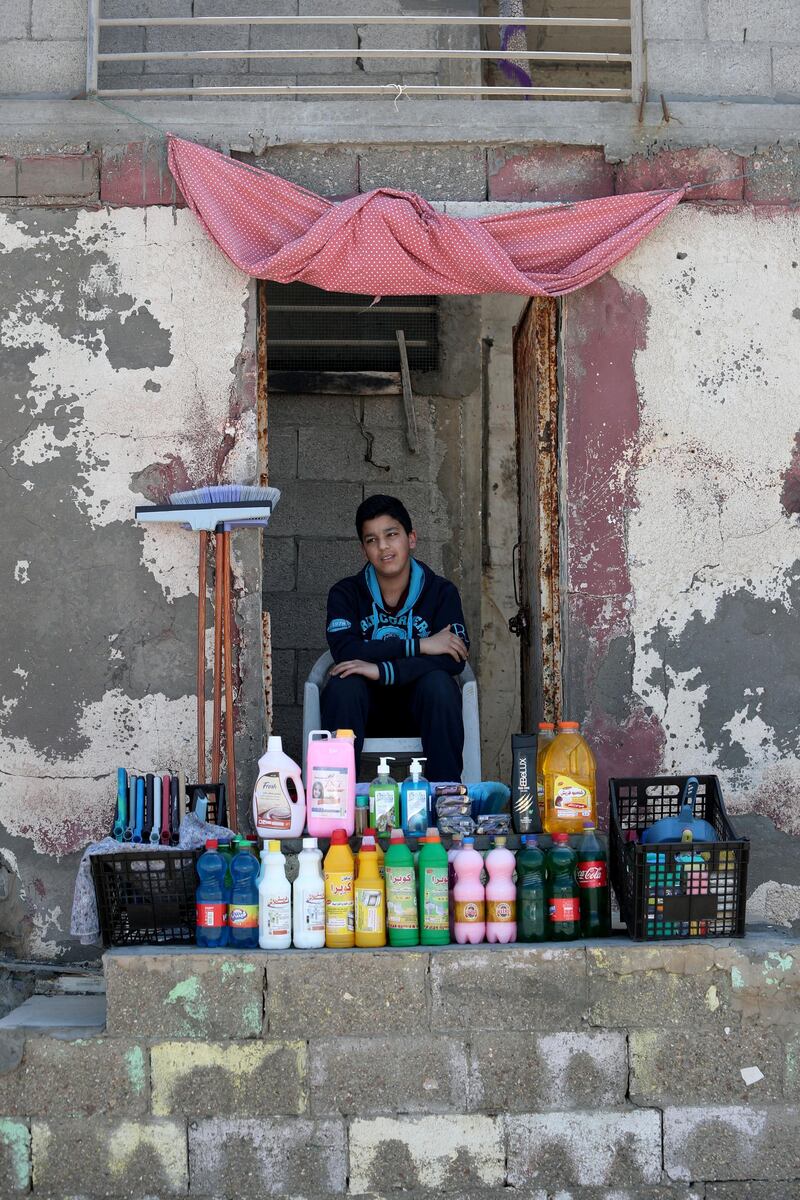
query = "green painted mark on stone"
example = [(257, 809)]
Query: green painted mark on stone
[(134, 1060), (737, 978), (17, 1138), (783, 962), (229, 969), (189, 993), (251, 1017)]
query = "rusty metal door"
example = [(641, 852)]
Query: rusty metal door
[(537, 622)]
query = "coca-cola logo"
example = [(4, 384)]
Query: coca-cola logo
[(592, 874)]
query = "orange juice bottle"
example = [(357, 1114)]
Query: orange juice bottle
[(568, 768)]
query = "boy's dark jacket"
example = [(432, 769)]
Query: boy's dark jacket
[(359, 626)]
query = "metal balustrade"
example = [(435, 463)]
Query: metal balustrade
[(426, 59)]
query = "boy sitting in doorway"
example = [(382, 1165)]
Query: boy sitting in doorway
[(397, 635)]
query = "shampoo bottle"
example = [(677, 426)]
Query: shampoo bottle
[(414, 796), (384, 800)]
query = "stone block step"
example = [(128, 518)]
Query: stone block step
[(58, 1015)]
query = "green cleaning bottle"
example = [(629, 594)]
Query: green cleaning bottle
[(402, 916), (384, 800), (433, 894)]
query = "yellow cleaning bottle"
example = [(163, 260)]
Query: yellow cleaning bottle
[(370, 898), (339, 893), (568, 769)]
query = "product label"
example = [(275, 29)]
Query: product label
[(470, 912), (382, 802), (211, 916), (417, 808), (279, 916), (401, 898), (272, 806), (243, 916), (592, 874), (339, 917), (314, 912), (501, 911), (369, 910), (572, 800), (436, 914), (327, 795), (565, 908)]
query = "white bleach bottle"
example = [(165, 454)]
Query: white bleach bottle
[(308, 898), (274, 901)]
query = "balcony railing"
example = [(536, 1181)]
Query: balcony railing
[(199, 57)]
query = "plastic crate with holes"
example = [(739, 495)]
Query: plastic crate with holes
[(676, 889), (146, 897)]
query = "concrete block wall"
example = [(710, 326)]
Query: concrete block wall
[(587, 1072)]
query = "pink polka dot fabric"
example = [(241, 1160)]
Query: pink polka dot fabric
[(392, 243)]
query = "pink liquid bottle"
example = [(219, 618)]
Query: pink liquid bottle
[(469, 926), (501, 894)]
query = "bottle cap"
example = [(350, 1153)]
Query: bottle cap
[(469, 841), (589, 825), (396, 836), (523, 841), (274, 846), (362, 801), (432, 834), (309, 843), (346, 733), (371, 832), (339, 837), (546, 725), (211, 843), (274, 745), (500, 839), (561, 839), (367, 846), (530, 839), (569, 725)]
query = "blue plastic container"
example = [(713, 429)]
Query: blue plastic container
[(243, 902), (211, 898)]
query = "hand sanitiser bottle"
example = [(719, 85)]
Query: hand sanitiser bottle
[(414, 801), (384, 799)]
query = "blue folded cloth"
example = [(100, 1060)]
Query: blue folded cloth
[(488, 797)]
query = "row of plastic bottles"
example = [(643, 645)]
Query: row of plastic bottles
[(405, 899)]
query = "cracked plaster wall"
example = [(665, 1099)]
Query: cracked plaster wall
[(683, 541), (126, 370)]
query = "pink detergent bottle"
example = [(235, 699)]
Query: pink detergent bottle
[(469, 926), (501, 894), (330, 782)]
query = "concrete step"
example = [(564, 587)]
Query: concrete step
[(72, 985), (68, 1015)]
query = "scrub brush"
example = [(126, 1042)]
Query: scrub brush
[(219, 507)]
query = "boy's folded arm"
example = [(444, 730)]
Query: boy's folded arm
[(407, 670), (344, 639)]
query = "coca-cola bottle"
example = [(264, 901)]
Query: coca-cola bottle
[(562, 890), (593, 885)]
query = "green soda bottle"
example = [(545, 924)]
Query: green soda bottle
[(402, 914), (533, 915), (433, 894)]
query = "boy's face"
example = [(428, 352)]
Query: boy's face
[(387, 546)]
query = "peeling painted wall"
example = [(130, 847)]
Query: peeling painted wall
[(683, 599), (125, 372)]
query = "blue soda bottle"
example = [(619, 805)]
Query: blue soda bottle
[(211, 898), (243, 902)]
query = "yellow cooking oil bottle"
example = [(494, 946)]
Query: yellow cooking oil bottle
[(370, 897), (339, 874), (568, 769)]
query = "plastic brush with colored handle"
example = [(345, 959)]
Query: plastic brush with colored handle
[(219, 507), (175, 820), (155, 832), (165, 809), (121, 819), (148, 807), (128, 835), (139, 822)]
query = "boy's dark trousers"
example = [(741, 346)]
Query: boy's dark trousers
[(429, 708)]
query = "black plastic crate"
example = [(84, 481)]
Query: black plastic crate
[(146, 897), (676, 889)]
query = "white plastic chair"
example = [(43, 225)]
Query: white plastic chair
[(405, 746)]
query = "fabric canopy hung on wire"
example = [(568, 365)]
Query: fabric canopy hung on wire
[(392, 243)]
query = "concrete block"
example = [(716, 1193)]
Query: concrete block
[(673, 168), (62, 19), (590, 1148), (240, 8), (147, 8), (92, 1076), (632, 986), (538, 989), (316, 508), (305, 37), (754, 1190), (435, 172), (251, 79), (176, 38), (283, 454), (320, 563), (49, 68), (136, 175), (387, 412), (331, 171), (765, 980), (121, 41), (297, 622), (103, 1157), (287, 722), (786, 72), (188, 995), (705, 70), (344, 455), (769, 21), (432, 1079), (364, 991), (773, 177), (428, 510), (731, 1142), (267, 1157), (243, 1079), (8, 177), (284, 675), (15, 18), (293, 411), (435, 1154), (678, 20), (549, 173), (83, 1015), (66, 176), (398, 37), (525, 1072), (678, 1066), (280, 565), (15, 1156)]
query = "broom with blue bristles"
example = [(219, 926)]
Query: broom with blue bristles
[(217, 509)]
